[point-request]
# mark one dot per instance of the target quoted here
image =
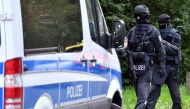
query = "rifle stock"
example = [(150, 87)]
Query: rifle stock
[(128, 56), (131, 64)]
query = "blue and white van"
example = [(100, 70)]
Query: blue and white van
[(58, 54)]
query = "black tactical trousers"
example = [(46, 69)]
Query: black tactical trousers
[(146, 92), (173, 86), (153, 96), (145, 97), (142, 92)]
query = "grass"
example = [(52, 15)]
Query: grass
[(164, 101)]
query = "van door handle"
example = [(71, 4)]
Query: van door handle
[(93, 60), (83, 59)]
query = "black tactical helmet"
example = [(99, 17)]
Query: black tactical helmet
[(164, 18), (142, 10)]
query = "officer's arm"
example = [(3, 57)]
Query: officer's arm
[(176, 40), (159, 48)]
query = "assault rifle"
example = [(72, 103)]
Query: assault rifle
[(179, 57), (170, 45), (128, 56)]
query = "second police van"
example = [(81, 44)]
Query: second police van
[(58, 54)]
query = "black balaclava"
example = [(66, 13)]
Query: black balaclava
[(164, 21)]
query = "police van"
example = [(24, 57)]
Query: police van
[(58, 54)]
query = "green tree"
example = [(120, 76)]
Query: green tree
[(177, 9)]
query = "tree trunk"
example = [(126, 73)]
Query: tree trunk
[(188, 82)]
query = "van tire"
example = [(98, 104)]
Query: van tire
[(115, 106)]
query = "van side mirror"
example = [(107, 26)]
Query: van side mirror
[(118, 33)]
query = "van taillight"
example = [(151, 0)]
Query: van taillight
[(13, 91)]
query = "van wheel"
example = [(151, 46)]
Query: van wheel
[(44, 102), (115, 106)]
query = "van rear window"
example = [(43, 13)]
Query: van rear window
[(53, 24)]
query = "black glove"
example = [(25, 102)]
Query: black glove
[(135, 55), (138, 55), (129, 52), (123, 52), (162, 70)]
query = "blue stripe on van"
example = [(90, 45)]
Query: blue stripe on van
[(1, 68), (38, 65), (52, 65), (72, 65), (118, 75), (99, 87), (73, 90), (1, 89), (1, 98), (32, 94)]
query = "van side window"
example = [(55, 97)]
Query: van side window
[(101, 24), (92, 20), (52, 25), (97, 23), (103, 30)]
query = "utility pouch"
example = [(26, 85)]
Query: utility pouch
[(141, 66)]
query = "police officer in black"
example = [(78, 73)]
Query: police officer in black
[(173, 59), (144, 42)]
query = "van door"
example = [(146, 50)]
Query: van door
[(99, 61), (73, 65), (41, 78), (54, 54), (2, 54)]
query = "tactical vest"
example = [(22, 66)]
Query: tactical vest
[(141, 40), (169, 34)]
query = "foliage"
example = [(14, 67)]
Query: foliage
[(49, 23), (177, 9), (164, 101)]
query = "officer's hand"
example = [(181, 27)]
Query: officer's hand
[(138, 55), (162, 70), (129, 52), (124, 53)]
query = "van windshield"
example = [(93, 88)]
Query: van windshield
[(51, 23)]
